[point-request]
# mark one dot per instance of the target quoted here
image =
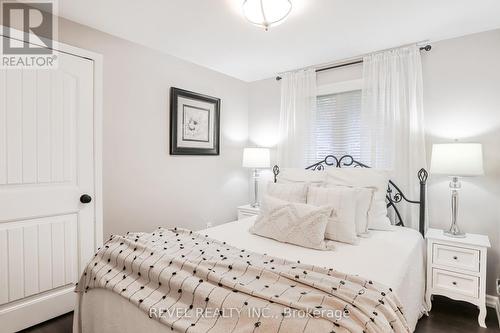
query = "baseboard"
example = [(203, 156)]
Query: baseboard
[(36, 309), (494, 302)]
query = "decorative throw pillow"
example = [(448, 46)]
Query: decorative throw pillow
[(342, 221), (377, 180), (293, 192), (293, 223)]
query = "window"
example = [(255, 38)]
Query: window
[(337, 125)]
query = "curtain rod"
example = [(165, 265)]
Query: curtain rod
[(423, 48)]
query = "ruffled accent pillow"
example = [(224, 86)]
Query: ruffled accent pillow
[(293, 223)]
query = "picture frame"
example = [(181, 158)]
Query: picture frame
[(194, 123)]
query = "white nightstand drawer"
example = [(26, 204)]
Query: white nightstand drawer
[(457, 257), (244, 215), (247, 211), (462, 284)]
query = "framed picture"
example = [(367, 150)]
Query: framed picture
[(194, 123)]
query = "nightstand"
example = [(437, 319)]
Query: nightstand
[(247, 211), (456, 268)]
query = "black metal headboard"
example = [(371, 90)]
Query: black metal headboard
[(394, 194)]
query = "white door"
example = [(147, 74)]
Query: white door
[(47, 233)]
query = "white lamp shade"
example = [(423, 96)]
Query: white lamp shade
[(266, 13), (256, 158), (457, 159)]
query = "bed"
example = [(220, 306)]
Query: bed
[(393, 258)]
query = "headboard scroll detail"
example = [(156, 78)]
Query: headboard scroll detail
[(394, 194)]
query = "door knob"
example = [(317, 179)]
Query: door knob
[(85, 198)]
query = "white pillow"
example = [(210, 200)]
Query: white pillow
[(294, 175), (292, 192), (293, 223), (377, 180), (342, 222), (364, 197)]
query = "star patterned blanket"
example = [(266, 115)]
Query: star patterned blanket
[(192, 283)]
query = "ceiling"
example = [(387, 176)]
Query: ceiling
[(214, 34)]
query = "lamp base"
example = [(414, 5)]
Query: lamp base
[(255, 205), (454, 235), (256, 176), (454, 229), (454, 232)]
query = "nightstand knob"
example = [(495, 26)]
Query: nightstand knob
[(455, 257), (454, 283)]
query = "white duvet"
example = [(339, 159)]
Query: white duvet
[(394, 258)]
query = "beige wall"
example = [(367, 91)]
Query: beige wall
[(144, 186), (461, 100)]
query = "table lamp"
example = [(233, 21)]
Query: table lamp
[(256, 158), (456, 160)]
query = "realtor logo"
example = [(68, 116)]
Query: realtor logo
[(30, 28)]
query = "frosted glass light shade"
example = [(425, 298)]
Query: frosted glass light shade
[(457, 159), (256, 158), (266, 13)]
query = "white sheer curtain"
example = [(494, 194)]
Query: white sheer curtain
[(392, 119), (298, 109)]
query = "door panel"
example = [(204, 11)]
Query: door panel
[(31, 260), (4, 273), (41, 255), (13, 126), (43, 129), (3, 131), (15, 263), (46, 164), (29, 156), (39, 116), (44, 257)]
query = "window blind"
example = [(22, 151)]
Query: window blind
[(337, 125)]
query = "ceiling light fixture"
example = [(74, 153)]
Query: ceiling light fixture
[(266, 13)]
